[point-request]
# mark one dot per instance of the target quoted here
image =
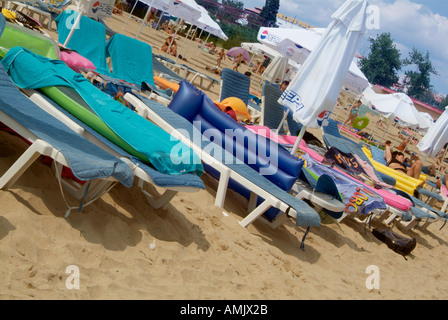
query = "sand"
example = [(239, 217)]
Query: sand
[(121, 248)]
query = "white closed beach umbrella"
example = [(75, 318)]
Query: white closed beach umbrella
[(436, 137), (297, 44), (276, 71), (313, 92)]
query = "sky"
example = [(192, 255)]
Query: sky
[(411, 23)]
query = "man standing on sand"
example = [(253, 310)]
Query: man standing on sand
[(221, 56), (238, 61)]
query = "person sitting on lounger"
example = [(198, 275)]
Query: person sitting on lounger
[(395, 161), (166, 45)]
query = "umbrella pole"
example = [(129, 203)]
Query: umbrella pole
[(285, 115), (75, 26), (191, 46), (183, 43), (129, 16), (186, 37), (384, 132), (172, 40), (160, 19), (299, 138), (250, 60), (441, 163), (143, 23), (200, 35)]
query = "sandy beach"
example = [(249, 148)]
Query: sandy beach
[(124, 249)]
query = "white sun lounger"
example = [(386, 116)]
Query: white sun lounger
[(242, 173)]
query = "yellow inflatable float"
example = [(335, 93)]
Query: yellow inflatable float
[(404, 182)]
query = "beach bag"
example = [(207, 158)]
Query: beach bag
[(396, 242)]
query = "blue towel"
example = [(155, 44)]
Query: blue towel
[(165, 153), (86, 160), (131, 59), (378, 155)]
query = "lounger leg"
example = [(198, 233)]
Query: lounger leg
[(22, 164), (222, 188), (265, 205), (445, 204), (162, 201)]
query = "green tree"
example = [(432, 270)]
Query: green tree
[(419, 81), (382, 64), (444, 103), (269, 12), (234, 3)]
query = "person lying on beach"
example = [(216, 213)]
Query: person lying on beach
[(395, 160), (214, 69)]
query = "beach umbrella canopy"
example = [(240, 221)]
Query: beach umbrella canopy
[(276, 71), (399, 107), (187, 10), (297, 44), (312, 94), (235, 51), (260, 49), (436, 137), (206, 23)]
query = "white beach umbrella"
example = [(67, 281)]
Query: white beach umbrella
[(297, 44), (187, 10), (400, 107), (436, 137), (260, 49), (206, 23), (276, 71), (313, 92)]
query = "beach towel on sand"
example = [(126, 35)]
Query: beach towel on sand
[(166, 154)]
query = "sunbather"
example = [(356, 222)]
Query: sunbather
[(166, 45), (395, 161)]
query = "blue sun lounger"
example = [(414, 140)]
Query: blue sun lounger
[(230, 168), (50, 137)]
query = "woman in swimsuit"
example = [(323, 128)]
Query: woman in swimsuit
[(166, 45), (395, 161)]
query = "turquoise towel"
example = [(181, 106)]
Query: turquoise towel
[(165, 153), (89, 39), (131, 59)]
